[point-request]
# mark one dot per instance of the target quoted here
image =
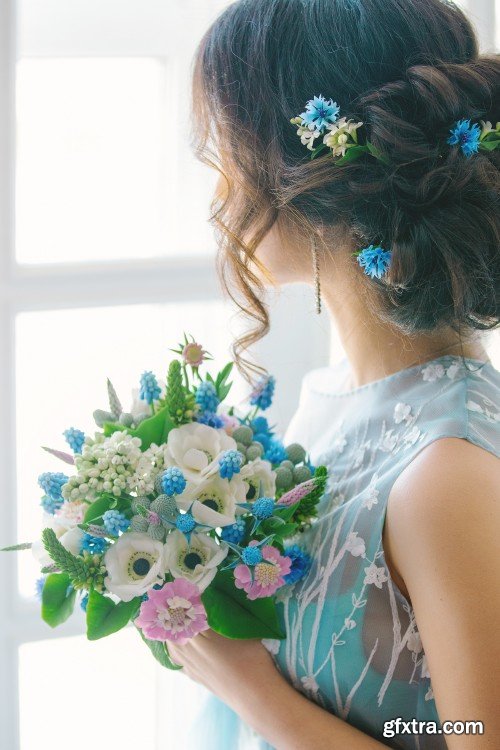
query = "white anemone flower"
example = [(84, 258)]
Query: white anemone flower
[(259, 479), (192, 447), (135, 562), (214, 500), (196, 560), (66, 531)]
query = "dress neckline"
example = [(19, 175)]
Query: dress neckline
[(342, 369)]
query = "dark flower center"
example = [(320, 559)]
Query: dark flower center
[(191, 560), (251, 492), (211, 503), (141, 566)]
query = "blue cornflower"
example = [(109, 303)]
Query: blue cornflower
[(466, 136), (301, 563), (320, 112), (262, 394), (51, 504), (114, 522), (374, 260), (206, 396), (211, 419), (84, 601), (251, 555), (93, 544), (75, 439), (263, 508), (260, 424), (275, 452), (39, 584), (173, 481), (185, 523), (51, 483), (233, 533), (150, 390), (263, 438), (230, 463)]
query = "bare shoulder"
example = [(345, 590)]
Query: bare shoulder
[(444, 501)]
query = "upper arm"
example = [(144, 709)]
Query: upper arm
[(443, 518)]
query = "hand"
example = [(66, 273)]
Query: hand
[(227, 667)]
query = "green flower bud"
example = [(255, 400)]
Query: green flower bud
[(287, 464), (243, 434), (301, 474), (254, 451), (284, 478), (295, 453), (242, 448)]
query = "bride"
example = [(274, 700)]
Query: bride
[(392, 635)]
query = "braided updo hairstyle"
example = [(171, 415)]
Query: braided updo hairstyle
[(408, 71)]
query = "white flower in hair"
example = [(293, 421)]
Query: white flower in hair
[(340, 134)]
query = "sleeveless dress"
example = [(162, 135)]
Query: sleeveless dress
[(352, 643)]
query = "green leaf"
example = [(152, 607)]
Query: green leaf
[(104, 502), (489, 145), (57, 601), (154, 429), (376, 153), (286, 513), (232, 614), (159, 651), (104, 617), (16, 547), (352, 153), (109, 427)]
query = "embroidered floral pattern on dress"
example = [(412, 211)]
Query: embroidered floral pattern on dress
[(352, 643)]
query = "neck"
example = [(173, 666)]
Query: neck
[(374, 349)]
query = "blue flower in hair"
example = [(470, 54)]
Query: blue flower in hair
[(374, 260), (466, 136), (320, 112)]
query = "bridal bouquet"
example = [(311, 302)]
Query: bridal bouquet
[(175, 515)]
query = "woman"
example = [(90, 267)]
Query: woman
[(397, 616)]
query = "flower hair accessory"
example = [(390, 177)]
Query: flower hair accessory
[(374, 260), (471, 138)]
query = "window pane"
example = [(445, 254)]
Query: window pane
[(97, 170), (63, 358), (138, 704)]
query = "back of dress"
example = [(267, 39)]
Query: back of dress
[(352, 640)]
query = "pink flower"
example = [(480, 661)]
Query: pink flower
[(264, 578), (297, 493), (193, 354), (230, 423), (173, 613)]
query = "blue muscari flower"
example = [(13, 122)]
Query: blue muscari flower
[(75, 439), (39, 584), (114, 522), (466, 136), (320, 112), (230, 463), (185, 522), (263, 508), (84, 601), (374, 260), (275, 452), (301, 563), (234, 533), (150, 390), (93, 544), (262, 394), (206, 396), (51, 504), (51, 483), (211, 419), (251, 555), (173, 481)]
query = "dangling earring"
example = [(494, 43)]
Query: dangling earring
[(317, 286)]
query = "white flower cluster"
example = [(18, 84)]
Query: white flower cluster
[(107, 464)]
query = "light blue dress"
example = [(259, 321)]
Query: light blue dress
[(352, 641)]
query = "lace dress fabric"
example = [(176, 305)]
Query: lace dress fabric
[(352, 643)]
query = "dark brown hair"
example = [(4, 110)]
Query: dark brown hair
[(408, 71)]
